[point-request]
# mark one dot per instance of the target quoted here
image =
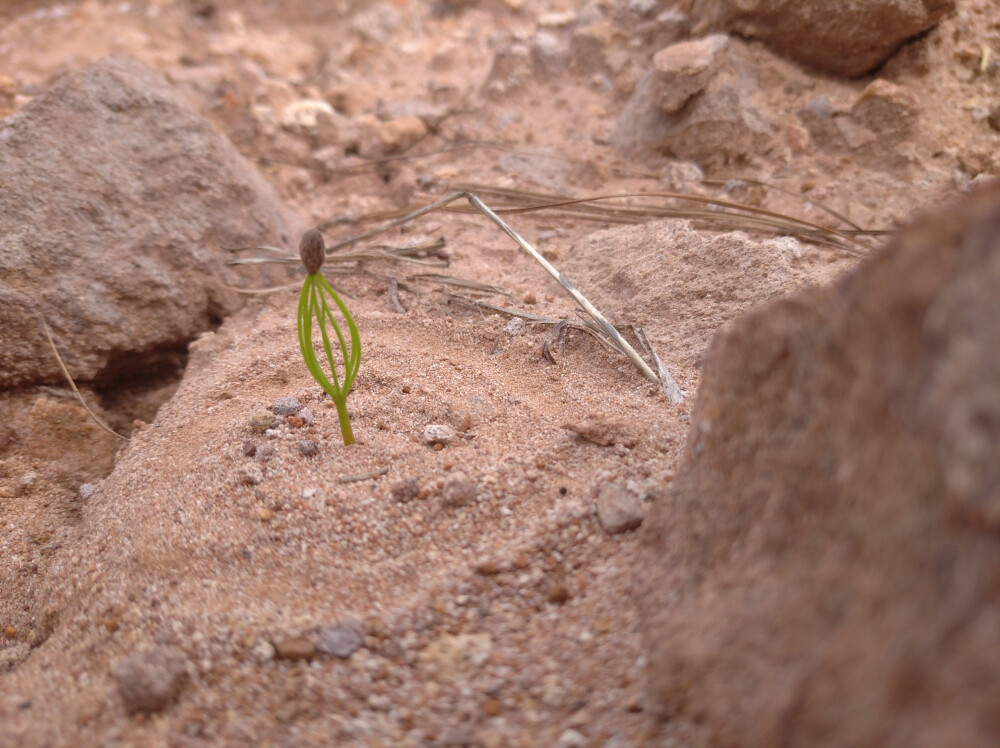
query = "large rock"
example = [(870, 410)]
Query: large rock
[(824, 569), (842, 38), (116, 200)]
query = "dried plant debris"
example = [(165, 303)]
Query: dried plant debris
[(593, 319)]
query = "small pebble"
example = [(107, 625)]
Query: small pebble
[(602, 625), (515, 327), (295, 422), (249, 449), (404, 489), (249, 475), (264, 651), (265, 453), (150, 681), (261, 422), (286, 406), (558, 593), (820, 107), (618, 510), (10, 632), (295, 648), (307, 416), (86, 490), (459, 490), (571, 739), (308, 448), (439, 433), (265, 514), (487, 568), (341, 640)]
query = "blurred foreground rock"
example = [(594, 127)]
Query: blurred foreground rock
[(116, 201), (824, 569), (841, 38)]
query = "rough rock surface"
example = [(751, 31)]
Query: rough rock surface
[(841, 496), (117, 200), (841, 38)]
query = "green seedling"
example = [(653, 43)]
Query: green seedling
[(314, 304)]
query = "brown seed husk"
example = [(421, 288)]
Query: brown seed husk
[(312, 250)]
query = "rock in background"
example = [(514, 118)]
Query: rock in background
[(841, 38), (823, 570), (698, 102), (116, 201)]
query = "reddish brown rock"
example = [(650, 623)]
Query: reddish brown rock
[(823, 569), (842, 38), (295, 648)]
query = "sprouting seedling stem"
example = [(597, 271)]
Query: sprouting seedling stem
[(313, 305)]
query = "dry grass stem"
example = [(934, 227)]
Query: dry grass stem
[(62, 367)]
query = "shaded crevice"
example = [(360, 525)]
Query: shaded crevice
[(134, 384)]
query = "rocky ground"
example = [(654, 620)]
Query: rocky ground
[(235, 574)]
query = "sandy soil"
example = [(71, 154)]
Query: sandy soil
[(493, 603)]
